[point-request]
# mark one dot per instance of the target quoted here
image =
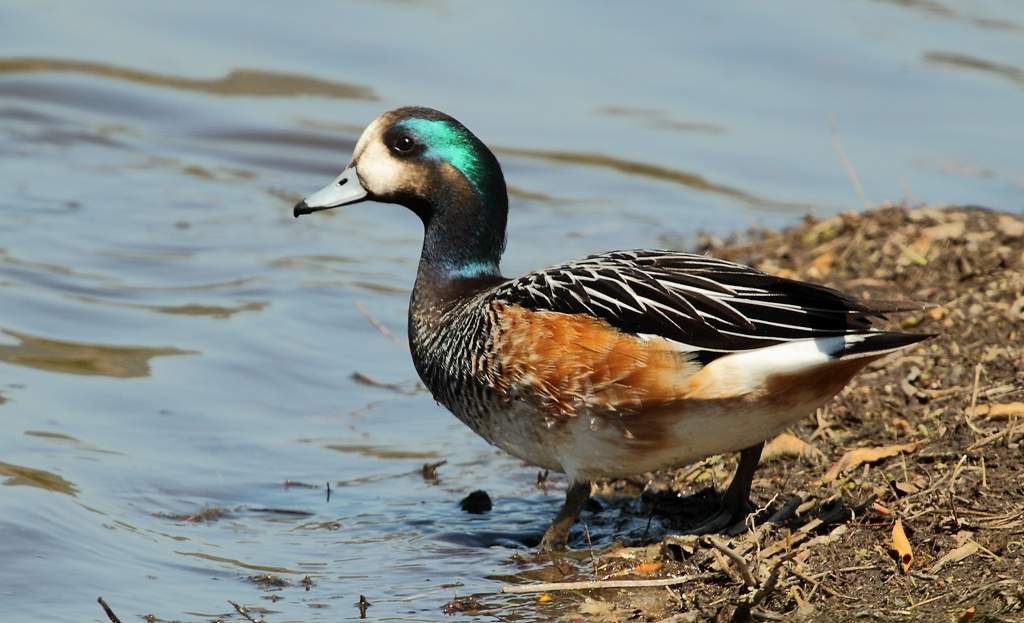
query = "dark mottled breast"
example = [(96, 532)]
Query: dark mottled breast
[(450, 339)]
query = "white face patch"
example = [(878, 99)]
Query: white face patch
[(379, 172)]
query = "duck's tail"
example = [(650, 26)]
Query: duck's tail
[(815, 363), (876, 343)]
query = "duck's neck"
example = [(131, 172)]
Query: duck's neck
[(462, 244), (461, 251)]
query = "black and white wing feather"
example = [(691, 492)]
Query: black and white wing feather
[(713, 306)]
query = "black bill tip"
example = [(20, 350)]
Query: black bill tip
[(304, 208)]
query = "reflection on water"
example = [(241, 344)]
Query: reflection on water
[(238, 82), (323, 140), (147, 213), (17, 475), (934, 7), (382, 453), (653, 171), (963, 61), (186, 309), (81, 358), (62, 438), (240, 564), (51, 435), (661, 119), (215, 311)]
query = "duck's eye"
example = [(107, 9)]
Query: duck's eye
[(404, 144)]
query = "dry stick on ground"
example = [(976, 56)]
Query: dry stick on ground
[(746, 609), (110, 613), (968, 417), (942, 480), (737, 560), (773, 577), (550, 587), (815, 584), (244, 613), (1006, 432)]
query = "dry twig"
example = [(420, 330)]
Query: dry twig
[(974, 401), (110, 613), (242, 611), (737, 560), (547, 587)]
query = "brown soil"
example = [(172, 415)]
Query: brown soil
[(950, 474)]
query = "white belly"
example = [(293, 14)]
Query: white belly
[(587, 447), (748, 406), (600, 450)]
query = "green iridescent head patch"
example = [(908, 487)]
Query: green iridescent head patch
[(451, 143)]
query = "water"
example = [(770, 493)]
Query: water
[(173, 343)]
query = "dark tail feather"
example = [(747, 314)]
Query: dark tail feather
[(881, 343)]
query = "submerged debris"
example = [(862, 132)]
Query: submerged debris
[(206, 515), (429, 471), (477, 502), (295, 484), (462, 605), (269, 581), (363, 604), (108, 611)]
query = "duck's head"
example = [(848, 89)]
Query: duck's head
[(430, 163)]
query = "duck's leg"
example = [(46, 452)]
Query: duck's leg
[(557, 534), (735, 502)]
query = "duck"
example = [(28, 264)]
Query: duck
[(610, 366)]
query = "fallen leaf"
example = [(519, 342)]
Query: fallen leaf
[(859, 456), (786, 444), (647, 568), (902, 425), (956, 555), (901, 545), (1006, 409), (544, 598), (906, 488)]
